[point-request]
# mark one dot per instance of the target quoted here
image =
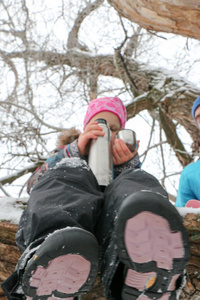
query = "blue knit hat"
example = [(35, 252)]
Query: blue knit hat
[(194, 107)]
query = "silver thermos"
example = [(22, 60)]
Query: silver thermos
[(129, 137), (100, 155)]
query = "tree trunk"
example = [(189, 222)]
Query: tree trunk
[(9, 252), (10, 255), (192, 288), (178, 17)]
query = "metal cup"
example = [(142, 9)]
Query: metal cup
[(129, 137)]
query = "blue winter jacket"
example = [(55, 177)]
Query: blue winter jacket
[(189, 184)]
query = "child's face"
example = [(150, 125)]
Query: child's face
[(112, 120)]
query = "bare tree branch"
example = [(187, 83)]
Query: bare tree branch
[(10, 178), (173, 139), (156, 16), (73, 34), (162, 158), (32, 112), (150, 138)]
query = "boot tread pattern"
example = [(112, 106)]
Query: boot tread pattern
[(65, 274), (148, 238)]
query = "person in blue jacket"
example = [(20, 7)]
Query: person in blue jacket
[(189, 191)]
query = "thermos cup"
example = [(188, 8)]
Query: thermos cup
[(129, 137), (100, 155)]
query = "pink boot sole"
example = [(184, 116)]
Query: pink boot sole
[(153, 245), (53, 298), (65, 266), (65, 274), (148, 238)]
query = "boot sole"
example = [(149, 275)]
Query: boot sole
[(65, 266), (153, 245)]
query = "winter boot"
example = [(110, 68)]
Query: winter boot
[(153, 246), (64, 266)]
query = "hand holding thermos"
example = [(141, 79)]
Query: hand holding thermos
[(100, 157)]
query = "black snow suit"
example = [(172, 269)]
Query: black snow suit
[(67, 194)]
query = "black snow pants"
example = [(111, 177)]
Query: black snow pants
[(69, 195)]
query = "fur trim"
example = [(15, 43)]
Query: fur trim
[(67, 136)]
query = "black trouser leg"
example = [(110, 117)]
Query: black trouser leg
[(127, 183), (67, 195)]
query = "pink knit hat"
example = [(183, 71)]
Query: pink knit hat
[(111, 104)]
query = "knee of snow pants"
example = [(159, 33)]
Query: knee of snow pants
[(66, 195)]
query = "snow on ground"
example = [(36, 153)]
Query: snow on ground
[(186, 210), (11, 209)]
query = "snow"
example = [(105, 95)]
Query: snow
[(11, 209), (186, 210), (73, 162)]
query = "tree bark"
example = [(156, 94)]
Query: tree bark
[(9, 252), (192, 288), (9, 255), (178, 17)]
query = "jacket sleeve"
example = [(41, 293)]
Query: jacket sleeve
[(185, 191), (133, 163), (69, 151)]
